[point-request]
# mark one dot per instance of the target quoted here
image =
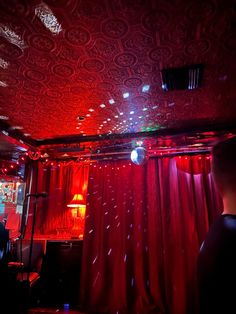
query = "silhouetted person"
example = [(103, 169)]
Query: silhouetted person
[(217, 257)]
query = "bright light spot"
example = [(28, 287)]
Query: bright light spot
[(124, 121), (140, 117), (16, 127), (5, 133), (130, 118), (154, 107), (144, 109), (88, 115), (121, 113), (131, 112), (102, 105), (163, 86), (12, 37), (145, 88), (104, 122), (125, 95), (91, 109), (47, 17), (4, 64), (4, 118), (116, 117), (3, 84), (108, 119), (27, 134), (111, 101)]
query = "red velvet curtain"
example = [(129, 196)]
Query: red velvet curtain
[(144, 226), (61, 181)]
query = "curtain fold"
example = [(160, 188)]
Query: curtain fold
[(144, 226), (61, 181)]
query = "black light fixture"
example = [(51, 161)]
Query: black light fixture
[(182, 78)]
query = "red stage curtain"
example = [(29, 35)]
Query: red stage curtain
[(144, 226), (61, 181)]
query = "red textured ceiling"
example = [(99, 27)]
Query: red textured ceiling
[(107, 48)]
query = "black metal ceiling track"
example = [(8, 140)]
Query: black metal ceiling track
[(226, 127), (6, 129)]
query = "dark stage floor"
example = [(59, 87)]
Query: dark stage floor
[(52, 311)]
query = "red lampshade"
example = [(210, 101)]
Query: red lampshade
[(77, 201)]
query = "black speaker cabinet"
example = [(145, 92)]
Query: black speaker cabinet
[(61, 272)]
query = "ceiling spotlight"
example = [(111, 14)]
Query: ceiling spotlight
[(116, 117), (80, 118), (144, 109), (3, 64), (88, 115), (4, 118), (91, 109), (3, 84), (47, 17), (102, 105), (125, 95), (131, 112), (121, 113)]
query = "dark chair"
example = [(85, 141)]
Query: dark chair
[(27, 271)]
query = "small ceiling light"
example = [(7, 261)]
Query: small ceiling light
[(116, 116), (4, 118), (46, 16), (140, 117), (154, 107), (80, 118), (91, 110), (111, 101), (121, 113), (108, 119), (12, 37), (3, 84), (145, 88), (125, 95), (104, 121), (3, 64), (102, 105), (16, 127), (130, 118), (131, 112), (144, 109), (88, 115)]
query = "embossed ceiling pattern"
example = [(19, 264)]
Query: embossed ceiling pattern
[(108, 48)]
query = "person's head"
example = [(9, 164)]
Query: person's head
[(224, 165)]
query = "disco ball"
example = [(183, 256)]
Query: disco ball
[(139, 155)]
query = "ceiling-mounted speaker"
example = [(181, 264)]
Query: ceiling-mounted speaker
[(183, 78)]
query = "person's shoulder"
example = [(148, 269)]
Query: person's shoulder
[(229, 222)]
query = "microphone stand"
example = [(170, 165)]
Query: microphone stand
[(32, 235)]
